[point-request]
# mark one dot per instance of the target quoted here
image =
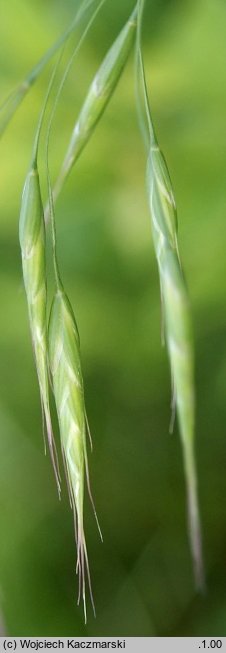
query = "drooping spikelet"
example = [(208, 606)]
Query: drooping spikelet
[(99, 94), (32, 243), (178, 332), (176, 311), (65, 365)]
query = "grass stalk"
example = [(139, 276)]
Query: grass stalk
[(175, 304), (13, 101)]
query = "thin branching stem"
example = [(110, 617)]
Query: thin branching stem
[(14, 99)]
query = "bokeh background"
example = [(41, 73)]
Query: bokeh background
[(142, 574)]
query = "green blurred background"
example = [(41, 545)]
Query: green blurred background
[(142, 574)]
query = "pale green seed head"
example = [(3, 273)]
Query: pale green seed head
[(176, 307), (32, 243), (161, 198), (65, 365), (102, 87), (179, 338), (31, 220), (98, 96), (176, 313), (178, 332), (64, 356)]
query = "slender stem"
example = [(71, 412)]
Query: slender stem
[(53, 50), (140, 66), (32, 76), (50, 194), (53, 225), (42, 114), (51, 203), (56, 46)]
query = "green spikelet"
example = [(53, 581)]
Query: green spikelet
[(99, 94), (67, 383), (32, 243), (176, 309), (65, 364), (178, 332)]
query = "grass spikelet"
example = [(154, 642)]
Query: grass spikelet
[(176, 310), (32, 243), (98, 96), (65, 365), (67, 383), (33, 251), (13, 101)]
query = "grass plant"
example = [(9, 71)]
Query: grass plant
[(56, 340)]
